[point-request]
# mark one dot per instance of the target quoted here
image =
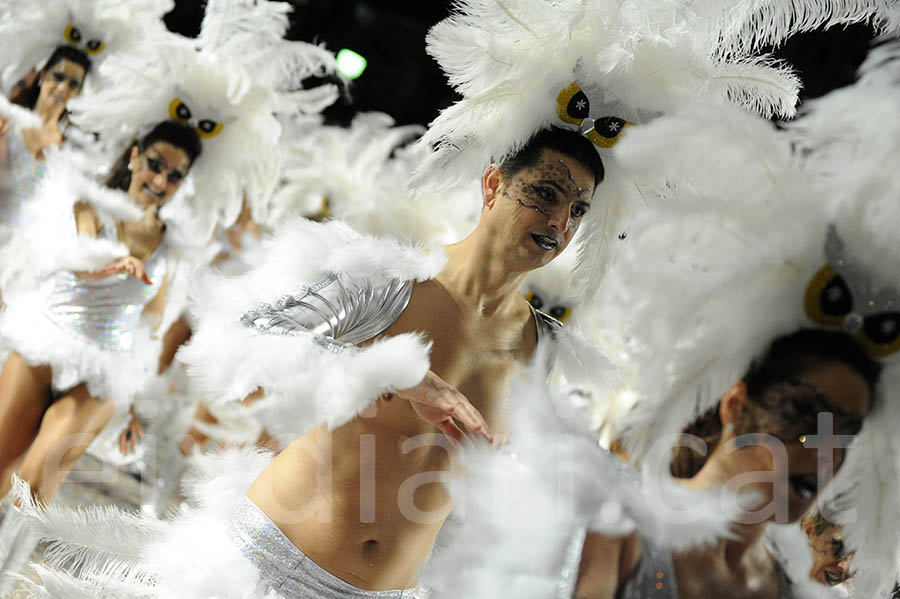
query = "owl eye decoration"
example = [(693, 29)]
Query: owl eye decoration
[(75, 37), (559, 312), (573, 106), (206, 128), (832, 299)]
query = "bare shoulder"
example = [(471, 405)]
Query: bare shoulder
[(606, 562), (431, 307)]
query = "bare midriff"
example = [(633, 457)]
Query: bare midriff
[(365, 501)]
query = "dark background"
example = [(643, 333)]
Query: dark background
[(403, 81)]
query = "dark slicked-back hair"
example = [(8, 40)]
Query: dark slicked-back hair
[(566, 142)]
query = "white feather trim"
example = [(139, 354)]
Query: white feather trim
[(91, 538), (29, 32), (237, 73), (304, 383), (725, 253), (21, 117), (518, 508), (139, 557)]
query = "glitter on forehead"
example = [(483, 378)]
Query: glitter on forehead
[(578, 190)]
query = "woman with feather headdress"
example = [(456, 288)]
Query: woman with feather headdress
[(100, 258), (77, 36)]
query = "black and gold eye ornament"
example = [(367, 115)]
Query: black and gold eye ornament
[(573, 106), (559, 312), (206, 128), (75, 36), (839, 295)]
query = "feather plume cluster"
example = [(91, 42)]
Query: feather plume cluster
[(358, 175), (520, 510), (235, 76), (30, 31), (509, 59), (305, 384), (109, 553), (718, 264)]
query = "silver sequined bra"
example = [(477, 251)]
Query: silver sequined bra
[(106, 311), (339, 311)]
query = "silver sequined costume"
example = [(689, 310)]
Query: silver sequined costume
[(89, 331)]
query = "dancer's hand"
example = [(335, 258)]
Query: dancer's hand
[(128, 264), (131, 436), (439, 403)]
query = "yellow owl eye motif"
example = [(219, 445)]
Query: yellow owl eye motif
[(72, 34), (880, 333), (325, 208), (828, 298), (573, 106), (606, 131), (94, 47), (536, 301), (178, 111), (208, 128)]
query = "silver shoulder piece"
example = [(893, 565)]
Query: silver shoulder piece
[(338, 312)]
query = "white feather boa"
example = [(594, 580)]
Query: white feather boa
[(18, 115), (725, 252), (101, 552), (305, 384), (518, 508)]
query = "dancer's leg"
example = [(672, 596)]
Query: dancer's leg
[(24, 396), (69, 426)]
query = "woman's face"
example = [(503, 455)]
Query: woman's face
[(59, 84), (802, 456), (157, 173)]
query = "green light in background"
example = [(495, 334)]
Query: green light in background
[(350, 63)]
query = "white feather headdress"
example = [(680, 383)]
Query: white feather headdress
[(745, 240), (30, 31), (227, 84), (598, 66), (358, 175)]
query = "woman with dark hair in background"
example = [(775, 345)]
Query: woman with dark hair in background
[(81, 346), (22, 147)]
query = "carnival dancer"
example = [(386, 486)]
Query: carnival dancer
[(22, 154), (229, 84), (77, 334), (76, 36), (776, 350), (308, 343)]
